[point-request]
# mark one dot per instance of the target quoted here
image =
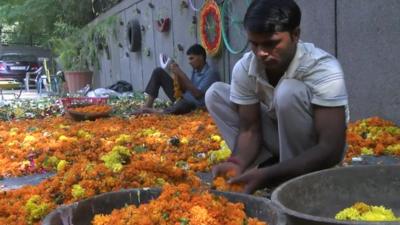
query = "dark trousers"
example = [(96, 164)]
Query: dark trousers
[(160, 78)]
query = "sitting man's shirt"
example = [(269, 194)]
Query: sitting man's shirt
[(202, 80), (317, 69)]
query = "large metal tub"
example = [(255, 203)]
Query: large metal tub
[(314, 199), (81, 213)]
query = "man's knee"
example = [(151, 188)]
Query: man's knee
[(157, 71), (214, 92), (291, 92)]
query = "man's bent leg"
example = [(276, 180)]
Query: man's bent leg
[(223, 111), (226, 116), (295, 118), (159, 78), (270, 133)]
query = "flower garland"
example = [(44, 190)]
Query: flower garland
[(210, 27)]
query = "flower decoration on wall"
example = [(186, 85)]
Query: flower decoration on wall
[(163, 24), (210, 27)]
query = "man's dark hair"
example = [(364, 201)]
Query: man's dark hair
[(269, 16), (197, 49)]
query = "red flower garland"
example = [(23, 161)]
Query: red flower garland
[(210, 10)]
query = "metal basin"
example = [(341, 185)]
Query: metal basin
[(81, 213), (314, 199)]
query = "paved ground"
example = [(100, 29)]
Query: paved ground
[(13, 94)]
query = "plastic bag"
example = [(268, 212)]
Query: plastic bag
[(121, 86), (103, 92)]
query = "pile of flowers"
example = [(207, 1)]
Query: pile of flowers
[(30, 108), (221, 183), (181, 205), (17, 109), (363, 212), (373, 136), (92, 109), (94, 157)]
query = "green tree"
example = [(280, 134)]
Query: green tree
[(44, 19)]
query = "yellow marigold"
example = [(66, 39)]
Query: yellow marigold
[(84, 134), (123, 139), (115, 159), (363, 212), (216, 138), (61, 165), (14, 131), (219, 155), (77, 191), (36, 209), (185, 141), (29, 138)]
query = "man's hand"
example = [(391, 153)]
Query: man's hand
[(225, 167), (175, 69), (252, 179)]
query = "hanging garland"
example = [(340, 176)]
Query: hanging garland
[(210, 27)]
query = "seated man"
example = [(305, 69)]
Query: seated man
[(193, 90), (285, 112)]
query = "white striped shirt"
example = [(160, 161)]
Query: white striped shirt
[(319, 71)]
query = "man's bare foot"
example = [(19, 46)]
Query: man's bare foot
[(148, 103)]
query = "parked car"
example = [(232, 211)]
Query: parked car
[(15, 65)]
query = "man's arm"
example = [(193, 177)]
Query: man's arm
[(184, 81), (331, 131), (248, 142)]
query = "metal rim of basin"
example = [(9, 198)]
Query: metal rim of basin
[(278, 217), (287, 211)]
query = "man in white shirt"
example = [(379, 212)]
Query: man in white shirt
[(285, 112)]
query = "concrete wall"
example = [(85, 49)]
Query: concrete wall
[(368, 40), (363, 34)]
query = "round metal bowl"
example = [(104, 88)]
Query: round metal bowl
[(82, 213), (315, 198)]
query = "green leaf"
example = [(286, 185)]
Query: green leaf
[(165, 215), (184, 221), (140, 148)]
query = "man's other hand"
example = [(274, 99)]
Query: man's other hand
[(225, 167), (252, 180), (174, 67)]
